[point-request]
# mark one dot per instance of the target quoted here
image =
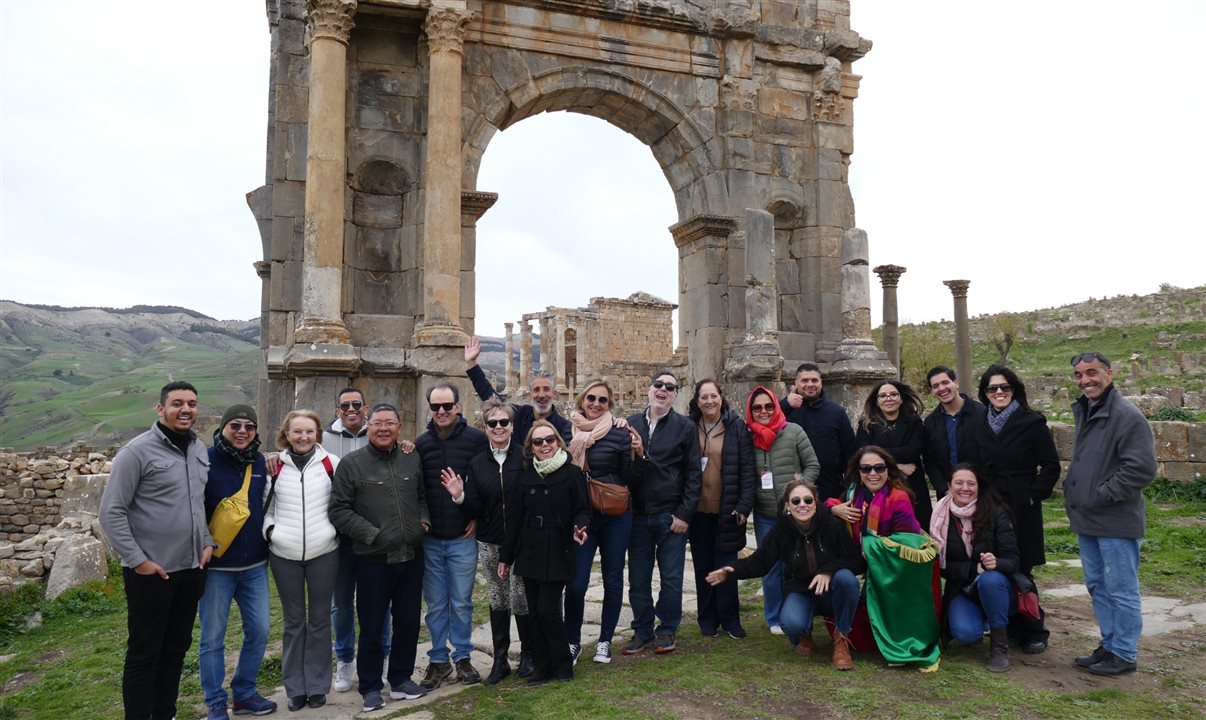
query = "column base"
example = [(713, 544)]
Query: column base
[(857, 366), (321, 331), (439, 335), (318, 359)]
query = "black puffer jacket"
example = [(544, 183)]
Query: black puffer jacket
[(824, 548), (610, 458), (448, 520), (739, 482), (496, 490), (960, 570)]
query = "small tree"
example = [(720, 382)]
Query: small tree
[(1003, 330), (921, 348)]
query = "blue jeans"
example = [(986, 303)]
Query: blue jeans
[(967, 618), (248, 588), (652, 539), (343, 606), (387, 591), (609, 534), (449, 570), (840, 601), (1111, 568), (718, 606), (772, 582)]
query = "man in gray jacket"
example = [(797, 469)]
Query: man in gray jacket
[(379, 501), (153, 515), (1112, 461)]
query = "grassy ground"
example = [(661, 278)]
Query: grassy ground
[(69, 666)]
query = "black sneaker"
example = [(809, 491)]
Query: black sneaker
[(436, 674), (736, 631), (664, 644), (575, 651), (317, 701), (1034, 647), (709, 631), (1113, 665), (1099, 653), (373, 701), (636, 645), (406, 690)]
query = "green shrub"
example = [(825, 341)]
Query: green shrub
[(16, 607), (1163, 490), (1174, 414)]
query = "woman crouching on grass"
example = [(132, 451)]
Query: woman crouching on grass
[(820, 561)]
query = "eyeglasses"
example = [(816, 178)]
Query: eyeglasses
[(670, 387), (384, 424), (500, 422), (879, 468), (446, 407), (768, 407), (807, 500), (241, 427), (352, 405), (1090, 357), (1003, 387), (601, 399), (889, 396), (544, 440)]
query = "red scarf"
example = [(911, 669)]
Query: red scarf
[(764, 435)]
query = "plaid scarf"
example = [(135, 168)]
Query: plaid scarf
[(997, 420), (246, 455)]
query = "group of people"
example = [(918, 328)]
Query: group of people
[(359, 526)]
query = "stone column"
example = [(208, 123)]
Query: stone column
[(757, 359), (508, 363), (525, 360), (962, 328), (889, 277), (704, 310), (857, 363), (321, 323), (445, 30)]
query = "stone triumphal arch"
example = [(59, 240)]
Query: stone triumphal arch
[(380, 112)]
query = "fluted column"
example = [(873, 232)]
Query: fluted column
[(962, 328), (509, 376), (445, 30), (889, 277), (330, 23)]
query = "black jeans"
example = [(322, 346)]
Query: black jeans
[(160, 618), (398, 588)]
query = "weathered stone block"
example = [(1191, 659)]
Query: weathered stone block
[(384, 47), (1171, 441), (1196, 442), (1178, 471), (1064, 435)]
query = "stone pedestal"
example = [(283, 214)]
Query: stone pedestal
[(889, 277), (857, 364), (962, 328)]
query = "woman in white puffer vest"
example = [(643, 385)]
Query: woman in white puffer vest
[(302, 553)]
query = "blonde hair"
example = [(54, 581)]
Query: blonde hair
[(282, 436), (579, 402)]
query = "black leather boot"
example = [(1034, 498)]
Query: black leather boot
[(500, 629), (998, 650), (524, 624)]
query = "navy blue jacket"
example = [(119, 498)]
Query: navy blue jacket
[(225, 478), (525, 415), (832, 437), (667, 478), (448, 520)]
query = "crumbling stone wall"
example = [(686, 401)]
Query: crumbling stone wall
[(31, 486)]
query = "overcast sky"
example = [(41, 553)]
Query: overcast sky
[(1047, 151)]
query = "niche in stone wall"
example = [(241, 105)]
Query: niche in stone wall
[(375, 254), (570, 381)]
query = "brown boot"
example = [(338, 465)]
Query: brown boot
[(841, 652), (806, 647)]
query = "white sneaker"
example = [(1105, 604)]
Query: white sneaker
[(344, 673), (776, 630), (603, 652)]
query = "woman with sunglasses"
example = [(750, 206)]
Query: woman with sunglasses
[(553, 515), (892, 420), (978, 552), (781, 451), (820, 562), (1018, 460), (726, 497), (495, 478), (900, 610), (602, 448)]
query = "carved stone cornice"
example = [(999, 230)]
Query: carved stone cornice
[(702, 225), (958, 287), (475, 204), (331, 19), (445, 29), (263, 268), (889, 275)]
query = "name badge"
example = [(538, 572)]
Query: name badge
[(768, 480)]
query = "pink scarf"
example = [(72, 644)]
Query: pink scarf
[(941, 520), (587, 433)]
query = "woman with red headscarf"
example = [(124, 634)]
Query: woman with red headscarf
[(781, 452)]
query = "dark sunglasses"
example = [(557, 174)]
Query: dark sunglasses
[(670, 387), (806, 500), (877, 467), (446, 407), (501, 422), (768, 407), (601, 399), (240, 427), (352, 405), (544, 440), (1090, 357), (1003, 387)]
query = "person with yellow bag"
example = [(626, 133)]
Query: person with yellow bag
[(234, 508)]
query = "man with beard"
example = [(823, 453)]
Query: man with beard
[(826, 424), (540, 391)]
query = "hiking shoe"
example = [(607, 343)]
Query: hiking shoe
[(254, 704), (603, 652), (665, 644), (217, 711), (406, 690), (373, 701), (317, 700), (1099, 653), (575, 651), (636, 645), (1112, 665), (806, 647), (344, 672), (466, 673), (776, 630), (436, 674)]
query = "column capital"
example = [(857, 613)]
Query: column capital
[(445, 29), (332, 19), (263, 268), (889, 275), (475, 204), (958, 287), (702, 225)]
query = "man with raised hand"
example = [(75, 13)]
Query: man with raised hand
[(827, 425), (153, 514), (541, 392)]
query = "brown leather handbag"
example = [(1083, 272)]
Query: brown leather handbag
[(608, 498)]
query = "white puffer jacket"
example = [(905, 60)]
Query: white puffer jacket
[(297, 514)]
